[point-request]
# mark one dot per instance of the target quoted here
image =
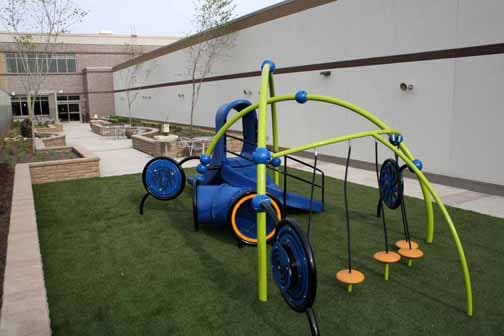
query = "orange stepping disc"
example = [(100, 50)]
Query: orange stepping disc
[(387, 258), (350, 278), (411, 253), (403, 244)]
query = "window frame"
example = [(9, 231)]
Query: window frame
[(54, 63)]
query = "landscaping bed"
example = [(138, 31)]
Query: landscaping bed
[(148, 142), (110, 271), (79, 164), (6, 184)]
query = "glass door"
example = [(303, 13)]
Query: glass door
[(69, 108)]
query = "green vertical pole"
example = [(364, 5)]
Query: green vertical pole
[(262, 274), (274, 124), (429, 225)]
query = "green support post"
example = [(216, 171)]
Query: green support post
[(274, 126), (262, 273)]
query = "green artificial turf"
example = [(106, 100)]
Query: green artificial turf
[(109, 271)]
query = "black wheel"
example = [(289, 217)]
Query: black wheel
[(293, 266), (391, 184), (163, 178)]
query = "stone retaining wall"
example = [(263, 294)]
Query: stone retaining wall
[(87, 166), (145, 143), (54, 128), (56, 140), (106, 128), (24, 310)]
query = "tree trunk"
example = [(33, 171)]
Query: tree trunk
[(30, 117), (193, 99)]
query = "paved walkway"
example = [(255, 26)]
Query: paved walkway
[(119, 158), (456, 197)]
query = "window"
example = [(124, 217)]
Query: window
[(11, 64), (20, 106), (68, 108), (57, 63)]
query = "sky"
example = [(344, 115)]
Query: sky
[(148, 17)]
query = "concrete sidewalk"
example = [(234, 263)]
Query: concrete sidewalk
[(460, 198), (117, 156)]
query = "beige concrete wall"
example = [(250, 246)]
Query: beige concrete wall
[(99, 79), (5, 112), (451, 120)]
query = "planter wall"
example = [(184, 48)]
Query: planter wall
[(55, 140), (87, 166), (145, 143)]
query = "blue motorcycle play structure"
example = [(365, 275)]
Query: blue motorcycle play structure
[(233, 179)]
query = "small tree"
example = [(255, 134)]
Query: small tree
[(130, 76), (35, 26), (208, 15)]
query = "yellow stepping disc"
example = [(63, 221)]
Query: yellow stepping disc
[(403, 244), (350, 278), (387, 258), (411, 253)]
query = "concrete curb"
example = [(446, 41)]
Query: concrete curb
[(25, 310)]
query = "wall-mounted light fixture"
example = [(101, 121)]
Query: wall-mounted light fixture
[(13, 93), (325, 73), (406, 86)]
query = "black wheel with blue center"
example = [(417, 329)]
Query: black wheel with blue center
[(391, 184), (293, 266), (163, 178)]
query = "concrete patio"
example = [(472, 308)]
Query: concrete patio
[(117, 156)]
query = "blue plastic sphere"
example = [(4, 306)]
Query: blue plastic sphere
[(261, 155), (301, 97), (199, 178), (204, 159), (258, 200), (276, 162), (271, 64), (418, 164), (202, 169), (396, 139)]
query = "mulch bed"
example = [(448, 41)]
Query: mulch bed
[(6, 185)]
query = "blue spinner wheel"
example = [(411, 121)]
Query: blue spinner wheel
[(293, 266), (391, 184), (163, 178)]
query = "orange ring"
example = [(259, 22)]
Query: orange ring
[(233, 219)]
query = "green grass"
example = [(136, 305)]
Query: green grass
[(109, 271)]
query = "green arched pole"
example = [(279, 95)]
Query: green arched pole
[(451, 226), (403, 152)]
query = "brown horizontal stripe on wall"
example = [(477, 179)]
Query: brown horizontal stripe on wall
[(483, 187), (482, 50), (265, 15)]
